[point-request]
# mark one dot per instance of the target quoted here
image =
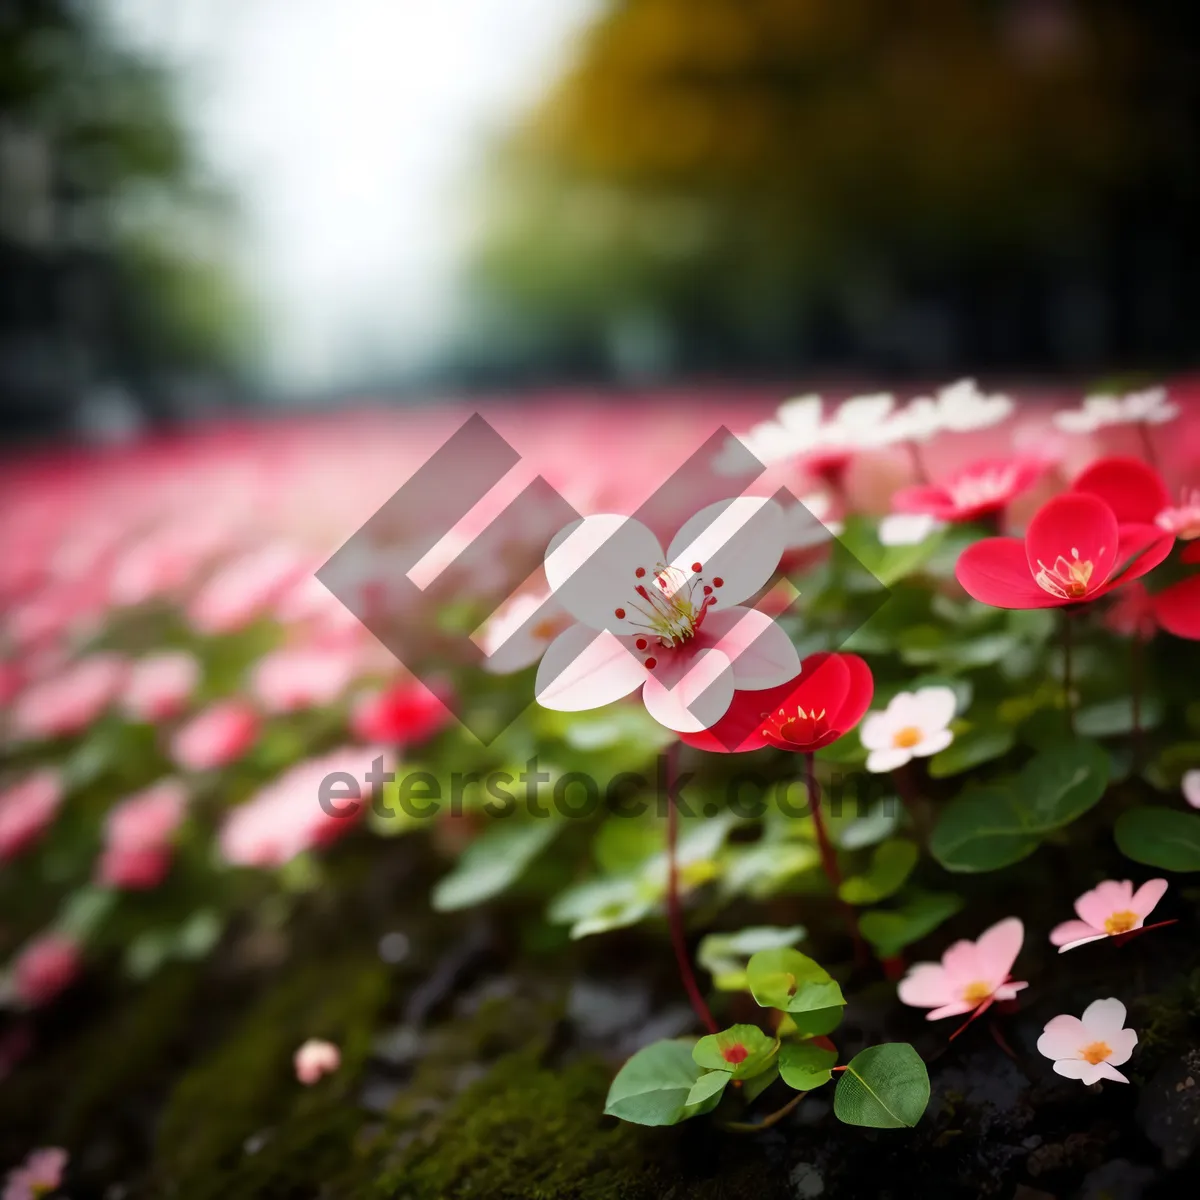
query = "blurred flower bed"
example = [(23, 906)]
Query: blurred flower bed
[(176, 686)]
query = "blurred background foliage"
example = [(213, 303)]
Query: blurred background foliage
[(905, 184)]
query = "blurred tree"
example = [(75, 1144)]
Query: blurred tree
[(781, 179), (111, 242)]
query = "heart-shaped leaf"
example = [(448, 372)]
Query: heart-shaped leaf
[(1160, 837), (884, 1087), (981, 831), (805, 1066), (725, 955), (654, 1087), (791, 981), (711, 1083)]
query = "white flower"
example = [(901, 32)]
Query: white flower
[(914, 724), (668, 624), (1191, 788), (1091, 1047), (1150, 407), (907, 529), (958, 407)]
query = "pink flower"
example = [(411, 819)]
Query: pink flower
[(1184, 521), (217, 736), (1108, 910), (975, 491), (160, 685), (314, 1059), (1091, 1047), (44, 968), (667, 624), (71, 700), (39, 1174), (1191, 788), (27, 809), (138, 836), (407, 713), (286, 817), (970, 976), (291, 679), (246, 588)]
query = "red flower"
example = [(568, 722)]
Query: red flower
[(1134, 490), (406, 713), (975, 491), (827, 699), (1074, 551)]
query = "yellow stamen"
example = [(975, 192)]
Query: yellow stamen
[(1066, 579), (1121, 922), (1097, 1052), (906, 738), (977, 992)]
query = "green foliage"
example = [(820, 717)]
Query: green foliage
[(725, 955), (993, 827), (1160, 837), (804, 1066), (493, 863), (978, 745), (792, 982), (883, 1087), (891, 864), (654, 1087), (742, 1050), (890, 930)]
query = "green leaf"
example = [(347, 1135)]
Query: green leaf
[(891, 864), (654, 1087), (890, 931), (1061, 784), (742, 1050), (811, 1024), (598, 905), (1160, 837), (792, 982), (492, 863), (804, 1066), (710, 1084), (85, 910), (981, 831), (724, 955), (753, 1088), (971, 749), (884, 1087), (875, 825), (1115, 717)]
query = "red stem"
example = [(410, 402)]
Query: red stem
[(675, 910), (829, 863)]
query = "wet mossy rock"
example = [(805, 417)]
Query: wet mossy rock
[(239, 1125)]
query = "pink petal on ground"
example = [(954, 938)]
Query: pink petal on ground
[(998, 948), (925, 986), (584, 669), (1146, 898)]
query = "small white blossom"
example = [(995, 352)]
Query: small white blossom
[(915, 724), (907, 529), (1149, 407), (1091, 1047)]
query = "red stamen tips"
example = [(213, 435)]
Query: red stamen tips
[(620, 614), (735, 1054), (651, 663), (640, 573), (718, 582), (697, 568), (641, 643), (707, 590)]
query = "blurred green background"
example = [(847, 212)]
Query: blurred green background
[(211, 202)]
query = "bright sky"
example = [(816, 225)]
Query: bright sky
[(349, 130)]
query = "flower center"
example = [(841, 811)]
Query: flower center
[(976, 993), (907, 738), (668, 607), (737, 1053), (1121, 922), (1097, 1052), (548, 629), (796, 725), (1068, 579), (1184, 521)]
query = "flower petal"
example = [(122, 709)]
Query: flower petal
[(1106, 1070), (761, 653), (584, 669), (1062, 1037), (996, 571), (737, 541), (878, 730), (739, 730), (1191, 788), (1133, 489), (694, 700), (934, 743), (1140, 549), (1111, 896), (927, 499), (937, 706), (1177, 608), (889, 759), (1122, 1043), (1082, 941), (955, 1009), (1146, 898), (998, 948), (1076, 1068), (1073, 526), (925, 986), (858, 697), (1104, 1017), (1072, 931)]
